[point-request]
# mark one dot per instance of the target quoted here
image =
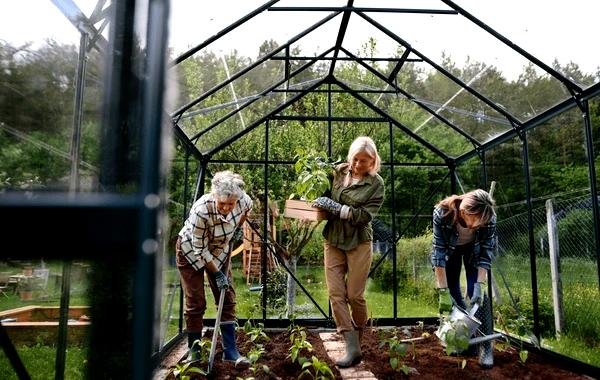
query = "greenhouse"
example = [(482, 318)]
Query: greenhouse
[(115, 117)]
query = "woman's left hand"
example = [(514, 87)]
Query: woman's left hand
[(477, 293)]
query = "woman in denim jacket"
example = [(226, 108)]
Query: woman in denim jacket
[(463, 232)]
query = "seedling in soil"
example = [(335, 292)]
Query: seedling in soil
[(299, 343), (397, 351), (316, 369), (256, 334), (183, 371)]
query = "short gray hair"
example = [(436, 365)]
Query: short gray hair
[(227, 184)]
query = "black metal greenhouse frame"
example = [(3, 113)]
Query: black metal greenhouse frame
[(118, 229)]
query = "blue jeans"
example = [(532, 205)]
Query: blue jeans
[(462, 255)]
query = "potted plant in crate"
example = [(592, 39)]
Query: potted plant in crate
[(313, 181)]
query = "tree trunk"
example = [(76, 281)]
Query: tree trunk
[(291, 286)]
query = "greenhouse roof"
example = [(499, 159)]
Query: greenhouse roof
[(306, 46)]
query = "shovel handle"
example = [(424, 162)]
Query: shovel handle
[(473, 310), (213, 345)]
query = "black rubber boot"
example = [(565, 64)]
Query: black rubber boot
[(486, 349)]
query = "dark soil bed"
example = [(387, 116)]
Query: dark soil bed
[(430, 361)]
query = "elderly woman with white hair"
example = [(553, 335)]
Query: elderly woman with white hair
[(203, 247), (356, 196)]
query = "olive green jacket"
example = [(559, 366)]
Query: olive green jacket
[(364, 199)]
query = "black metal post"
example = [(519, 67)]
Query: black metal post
[(59, 372), (341, 33), (532, 254), (78, 112), (263, 247), (61, 347), (589, 144), (329, 115), (147, 286), (393, 204)]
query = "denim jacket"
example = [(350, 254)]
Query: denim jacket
[(445, 236)]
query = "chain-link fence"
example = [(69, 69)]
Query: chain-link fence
[(566, 271)]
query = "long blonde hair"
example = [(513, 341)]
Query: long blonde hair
[(476, 202), (367, 145)]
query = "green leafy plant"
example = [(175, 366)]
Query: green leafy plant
[(397, 351), (183, 371), (299, 343), (521, 326), (256, 334), (203, 349), (455, 337), (316, 369), (254, 356), (313, 170)]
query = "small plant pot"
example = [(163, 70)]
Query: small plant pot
[(297, 209)]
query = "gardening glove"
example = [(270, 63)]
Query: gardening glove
[(332, 206), (477, 293), (445, 300), (221, 280)]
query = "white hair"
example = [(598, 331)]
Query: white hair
[(227, 184)]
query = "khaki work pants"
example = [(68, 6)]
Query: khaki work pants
[(192, 284), (346, 274)]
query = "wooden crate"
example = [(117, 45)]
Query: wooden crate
[(303, 210)]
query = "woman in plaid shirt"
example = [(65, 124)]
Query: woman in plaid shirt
[(203, 247)]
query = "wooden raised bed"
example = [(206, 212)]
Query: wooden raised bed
[(27, 325)]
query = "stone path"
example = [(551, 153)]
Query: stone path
[(334, 345)]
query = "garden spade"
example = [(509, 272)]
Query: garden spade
[(216, 330), (213, 345)]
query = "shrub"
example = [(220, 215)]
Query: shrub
[(414, 274), (277, 290)]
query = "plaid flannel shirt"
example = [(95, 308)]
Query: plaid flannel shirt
[(206, 233), (445, 236)]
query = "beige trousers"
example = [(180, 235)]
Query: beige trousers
[(346, 274)]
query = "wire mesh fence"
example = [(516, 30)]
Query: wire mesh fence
[(566, 274)]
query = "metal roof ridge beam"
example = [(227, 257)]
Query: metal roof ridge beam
[(258, 62), (392, 120), (367, 9), (386, 59), (260, 95), (222, 32), (341, 34), (481, 97), (567, 82), (416, 101), (262, 120)]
